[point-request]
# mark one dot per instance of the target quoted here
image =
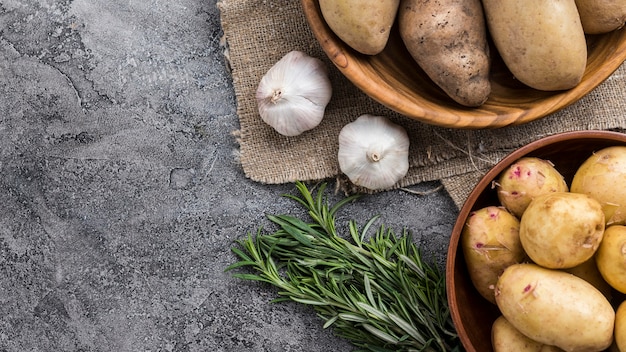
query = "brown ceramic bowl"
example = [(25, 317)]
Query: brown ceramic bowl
[(472, 314), (393, 79)]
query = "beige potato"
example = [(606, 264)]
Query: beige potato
[(601, 16), (620, 327), (506, 338), (541, 42), (526, 179), (448, 40), (490, 243), (555, 308), (589, 272), (364, 25), (611, 257), (603, 177), (561, 229)]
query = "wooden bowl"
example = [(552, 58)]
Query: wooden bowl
[(393, 79), (472, 314)]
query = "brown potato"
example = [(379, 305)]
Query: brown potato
[(601, 16), (362, 24), (448, 40), (541, 42)]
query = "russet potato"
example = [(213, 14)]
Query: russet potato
[(448, 41)]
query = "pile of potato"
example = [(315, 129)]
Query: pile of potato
[(542, 42), (552, 256)]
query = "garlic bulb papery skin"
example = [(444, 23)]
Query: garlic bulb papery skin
[(373, 152), (293, 94)]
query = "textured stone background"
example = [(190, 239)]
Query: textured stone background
[(121, 195)]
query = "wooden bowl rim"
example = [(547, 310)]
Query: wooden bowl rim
[(490, 115), (482, 186)]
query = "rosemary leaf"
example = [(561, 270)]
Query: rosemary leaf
[(379, 294)]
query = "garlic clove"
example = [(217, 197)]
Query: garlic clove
[(373, 152), (293, 94)]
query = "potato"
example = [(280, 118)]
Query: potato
[(448, 40), (490, 243), (611, 257), (601, 16), (526, 179), (561, 229), (506, 338), (541, 42), (364, 25), (555, 308), (620, 327), (589, 272), (603, 177)]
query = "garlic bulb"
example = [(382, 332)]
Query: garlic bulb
[(293, 94), (373, 152)]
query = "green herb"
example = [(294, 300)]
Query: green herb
[(379, 293)]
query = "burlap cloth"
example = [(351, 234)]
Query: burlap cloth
[(259, 32)]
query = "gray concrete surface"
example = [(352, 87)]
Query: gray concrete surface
[(121, 196)]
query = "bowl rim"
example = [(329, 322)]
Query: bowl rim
[(481, 186), (486, 116)]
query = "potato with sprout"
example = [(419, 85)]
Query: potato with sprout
[(490, 243), (603, 177), (526, 179), (561, 230), (555, 308)]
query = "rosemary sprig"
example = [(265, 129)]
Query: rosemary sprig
[(379, 293)]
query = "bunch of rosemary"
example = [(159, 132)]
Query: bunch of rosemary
[(377, 293)]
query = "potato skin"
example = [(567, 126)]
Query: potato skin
[(555, 308), (601, 16), (541, 42), (526, 179), (561, 230), (506, 338), (362, 24), (589, 272), (490, 243), (611, 257), (620, 327), (603, 177), (448, 40)]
